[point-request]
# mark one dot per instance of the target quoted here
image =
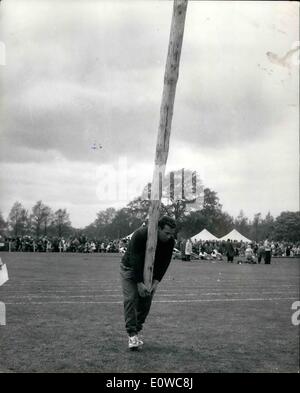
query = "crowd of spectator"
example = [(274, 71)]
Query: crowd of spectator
[(219, 249), (185, 249), (61, 244)]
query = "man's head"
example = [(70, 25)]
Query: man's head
[(166, 228)]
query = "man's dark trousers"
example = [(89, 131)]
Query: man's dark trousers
[(136, 308)]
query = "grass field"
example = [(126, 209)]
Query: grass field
[(65, 314)]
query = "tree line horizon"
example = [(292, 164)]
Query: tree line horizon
[(113, 223)]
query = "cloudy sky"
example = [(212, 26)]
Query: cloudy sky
[(81, 85)]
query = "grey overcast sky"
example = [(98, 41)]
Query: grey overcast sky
[(81, 85)]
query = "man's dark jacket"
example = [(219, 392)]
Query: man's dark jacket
[(134, 258)]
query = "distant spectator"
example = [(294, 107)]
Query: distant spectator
[(188, 249), (260, 252), (182, 249), (249, 254), (267, 247), (216, 254), (230, 252)]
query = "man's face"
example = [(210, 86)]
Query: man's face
[(166, 233)]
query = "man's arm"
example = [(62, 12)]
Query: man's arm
[(163, 262), (137, 255), (154, 287), (142, 289)]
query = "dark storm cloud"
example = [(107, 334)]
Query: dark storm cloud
[(88, 74), (95, 76), (228, 119), (83, 80), (75, 135)]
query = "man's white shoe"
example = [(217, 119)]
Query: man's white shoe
[(133, 342), (140, 339)]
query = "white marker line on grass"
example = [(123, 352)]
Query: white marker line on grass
[(30, 296), (61, 282), (67, 288), (219, 286), (233, 293), (57, 297), (65, 291), (252, 289), (160, 301), (242, 285), (235, 284), (224, 300), (224, 280)]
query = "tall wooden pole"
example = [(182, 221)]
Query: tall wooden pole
[(164, 131)]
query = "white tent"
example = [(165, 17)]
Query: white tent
[(204, 235), (235, 235)]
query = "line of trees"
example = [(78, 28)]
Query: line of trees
[(41, 220)]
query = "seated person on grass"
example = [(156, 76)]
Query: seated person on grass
[(249, 255)]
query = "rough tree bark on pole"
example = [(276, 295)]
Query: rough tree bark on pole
[(164, 131)]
